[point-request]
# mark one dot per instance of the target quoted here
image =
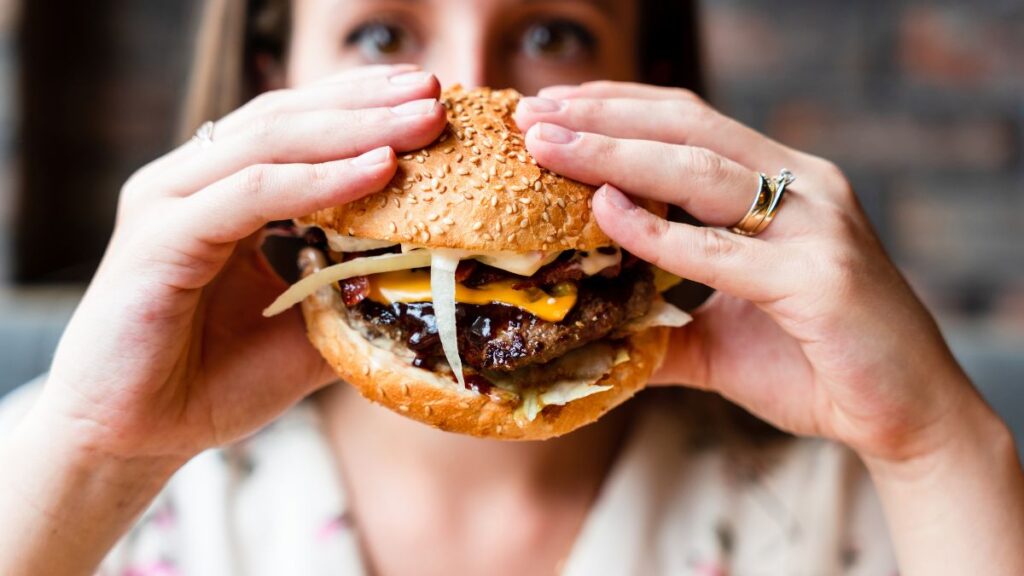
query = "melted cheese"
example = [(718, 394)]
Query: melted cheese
[(414, 286)]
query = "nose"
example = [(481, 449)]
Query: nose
[(463, 57)]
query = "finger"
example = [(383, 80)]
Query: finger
[(241, 204), (744, 267), (307, 137), (680, 120), (342, 94), (365, 72), (712, 188), (610, 89)]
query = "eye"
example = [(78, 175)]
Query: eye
[(558, 39), (379, 40)]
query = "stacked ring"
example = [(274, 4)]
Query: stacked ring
[(766, 203)]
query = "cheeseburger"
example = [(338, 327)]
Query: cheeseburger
[(476, 292)]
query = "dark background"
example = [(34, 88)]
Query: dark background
[(922, 103)]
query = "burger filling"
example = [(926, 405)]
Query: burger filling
[(531, 329)]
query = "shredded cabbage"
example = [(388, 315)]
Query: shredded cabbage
[(358, 267), (442, 287)]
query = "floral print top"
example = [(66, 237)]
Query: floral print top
[(275, 505)]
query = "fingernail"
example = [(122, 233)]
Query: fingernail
[(416, 107), (616, 198), (373, 157), (408, 78), (554, 134), (542, 105)]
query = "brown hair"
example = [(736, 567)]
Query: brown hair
[(235, 37)]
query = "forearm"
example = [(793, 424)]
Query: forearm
[(959, 510), (62, 505)]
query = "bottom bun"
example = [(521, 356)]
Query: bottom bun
[(385, 377)]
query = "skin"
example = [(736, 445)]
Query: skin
[(168, 354)]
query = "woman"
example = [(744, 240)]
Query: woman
[(812, 330)]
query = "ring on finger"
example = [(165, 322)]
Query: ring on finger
[(766, 203), (204, 135)]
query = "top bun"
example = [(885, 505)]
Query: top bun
[(475, 188)]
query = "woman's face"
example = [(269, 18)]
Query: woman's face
[(523, 44)]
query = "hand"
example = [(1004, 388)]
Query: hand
[(813, 328), (168, 353)]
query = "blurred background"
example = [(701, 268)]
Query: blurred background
[(922, 103)]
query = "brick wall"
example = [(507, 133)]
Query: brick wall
[(922, 103)]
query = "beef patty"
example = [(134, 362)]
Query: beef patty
[(504, 338)]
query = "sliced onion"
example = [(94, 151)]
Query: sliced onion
[(661, 314), (442, 288), (568, 390), (358, 267)]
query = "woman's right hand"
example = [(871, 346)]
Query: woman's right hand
[(168, 353)]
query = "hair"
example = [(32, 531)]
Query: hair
[(236, 39)]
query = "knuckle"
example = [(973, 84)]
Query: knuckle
[(703, 163), (587, 108), (714, 244), (268, 100), (690, 97), (265, 127), (320, 173), (253, 179)]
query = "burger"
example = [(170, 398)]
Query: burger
[(476, 292)]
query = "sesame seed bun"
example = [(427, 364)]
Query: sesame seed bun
[(389, 379), (475, 188)]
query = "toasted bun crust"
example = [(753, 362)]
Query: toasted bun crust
[(384, 377), (473, 189)]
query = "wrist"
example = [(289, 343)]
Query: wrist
[(67, 496), (970, 433)]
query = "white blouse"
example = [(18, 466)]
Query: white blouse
[(274, 504)]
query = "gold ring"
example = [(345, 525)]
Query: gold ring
[(766, 203)]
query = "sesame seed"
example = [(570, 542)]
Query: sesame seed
[(497, 226), (449, 150), (493, 171), (512, 237), (407, 157), (560, 202), (463, 172), (448, 222), (525, 180), (458, 157), (508, 174), (407, 237), (467, 196), (536, 185), (477, 225), (351, 232), (398, 203), (427, 410), (413, 200), (494, 201), (366, 370), (437, 231), (407, 186), (488, 237), (434, 183), (544, 216), (521, 157), (421, 159), (393, 227), (524, 223), (433, 217), (476, 150), (403, 407)]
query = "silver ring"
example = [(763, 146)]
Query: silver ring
[(204, 135), (766, 204)]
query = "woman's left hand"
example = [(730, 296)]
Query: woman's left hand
[(813, 328)]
